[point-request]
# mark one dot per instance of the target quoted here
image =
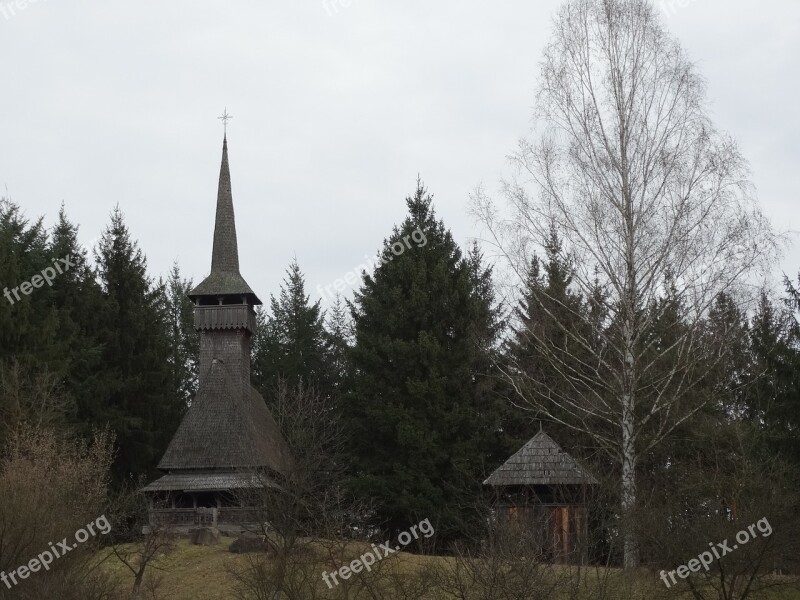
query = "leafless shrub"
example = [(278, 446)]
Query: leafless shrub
[(306, 502), (51, 487), (32, 398), (140, 559), (135, 542), (508, 564), (727, 486)]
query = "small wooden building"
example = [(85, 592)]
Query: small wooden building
[(542, 490)]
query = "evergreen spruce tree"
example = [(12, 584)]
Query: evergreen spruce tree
[(728, 325), (78, 299), (134, 394), (551, 323), (502, 420), (47, 349), (338, 335), (261, 344), (666, 321), (774, 390), (31, 353), (417, 413), (291, 340), (183, 339), (28, 324)]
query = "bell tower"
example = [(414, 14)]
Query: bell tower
[(227, 442), (224, 303)]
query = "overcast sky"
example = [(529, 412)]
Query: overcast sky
[(336, 109)]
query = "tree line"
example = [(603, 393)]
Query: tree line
[(436, 382)]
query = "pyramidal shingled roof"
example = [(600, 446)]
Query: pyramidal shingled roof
[(228, 426), (224, 279), (540, 462)]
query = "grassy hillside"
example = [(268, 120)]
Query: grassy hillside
[(192, 572)]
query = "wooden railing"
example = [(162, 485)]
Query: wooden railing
[(226, 316), (202, 517)]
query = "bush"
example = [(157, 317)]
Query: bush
[(52, 486)]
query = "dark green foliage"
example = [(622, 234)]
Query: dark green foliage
[(28, 325), (90, 349), (773, 393), (134, 393), (338, 336), (290, 344), (184, 340), (43, 341), (414, 366), (420, 415), (501, 418), (79, 298), (547, 349)]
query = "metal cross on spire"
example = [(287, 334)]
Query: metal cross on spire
[(225, 118)]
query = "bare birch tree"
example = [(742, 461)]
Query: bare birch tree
[(651, 201)]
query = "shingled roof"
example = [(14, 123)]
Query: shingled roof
[(209, 482), (540, 462), (225, 278), (228, 426)]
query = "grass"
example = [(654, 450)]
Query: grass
[(191, 572)]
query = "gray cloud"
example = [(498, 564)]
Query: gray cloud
[(335, 113)]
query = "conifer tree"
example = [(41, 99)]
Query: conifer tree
[(259, 376), (48, 349), (551, 325), (31, 353), (134, 393), (290, 344), (728, 325), (25, 318), (183, 339), (418, 415), (773, 395), (338, 335), (77, 297)]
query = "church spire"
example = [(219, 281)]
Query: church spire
[(225, 256), (225, 279)]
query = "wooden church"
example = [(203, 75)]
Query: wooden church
[(228, 443)]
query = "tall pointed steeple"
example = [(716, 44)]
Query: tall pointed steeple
[(225, 279), (228, 433), (225, 256)]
